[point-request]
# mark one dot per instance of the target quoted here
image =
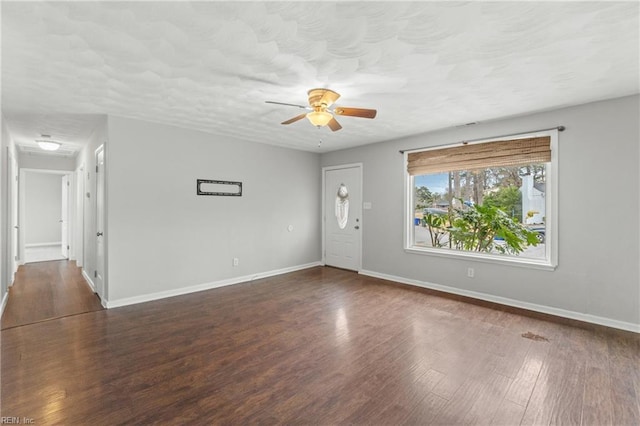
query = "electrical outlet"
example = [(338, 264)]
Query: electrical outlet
[(470, 272), (236, 261)]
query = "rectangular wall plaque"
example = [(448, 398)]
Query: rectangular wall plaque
[(222, 188)]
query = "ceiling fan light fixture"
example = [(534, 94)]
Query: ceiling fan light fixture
[(49, 145), (319, 118), (319, 102)]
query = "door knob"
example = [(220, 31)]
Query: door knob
[(99, 234), (356, 227)]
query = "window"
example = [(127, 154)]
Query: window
[(492, 200)]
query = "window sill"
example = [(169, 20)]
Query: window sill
[(480, 257)]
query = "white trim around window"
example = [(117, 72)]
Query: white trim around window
[(550, 261)]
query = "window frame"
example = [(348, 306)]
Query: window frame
[(550, 262)]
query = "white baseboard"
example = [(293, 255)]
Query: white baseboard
[(593, 319), (92, 286), (89, 281), (206, 286), (5, 299), (59, 243)]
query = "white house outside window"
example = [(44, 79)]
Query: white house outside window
[(492, 200)]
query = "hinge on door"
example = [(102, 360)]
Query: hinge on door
[(95, 274), (15, 257), (67, 247), (67, 183), (96, 169)]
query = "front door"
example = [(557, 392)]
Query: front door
[(343, 216)]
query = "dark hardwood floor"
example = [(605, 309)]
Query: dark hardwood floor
[(46, 290), (320, 346)]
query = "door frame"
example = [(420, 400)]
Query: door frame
[(22, 205), (325, 169), (78, 239), (13, 218), (102, 288), (65, 210)]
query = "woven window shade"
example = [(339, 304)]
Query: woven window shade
[(480, 156)]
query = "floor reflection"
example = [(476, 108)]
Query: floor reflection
[(342, 327)]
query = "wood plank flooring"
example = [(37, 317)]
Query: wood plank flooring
[(320, 346), (46, 290)]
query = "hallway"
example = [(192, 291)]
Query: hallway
[(48, 290)]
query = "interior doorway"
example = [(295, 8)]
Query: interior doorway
[(47, 197)]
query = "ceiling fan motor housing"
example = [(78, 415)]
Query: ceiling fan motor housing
[(322, 98)]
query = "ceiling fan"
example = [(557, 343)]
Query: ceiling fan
[(322, 110)]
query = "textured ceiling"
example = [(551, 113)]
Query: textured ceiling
[(72, 130), (211, 65)]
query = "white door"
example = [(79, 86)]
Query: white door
[(14, 233), (64, 218), (99, 274), (79, 221), (343, 216)]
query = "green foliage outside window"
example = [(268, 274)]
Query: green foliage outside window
[(479, 228), (508, 199)]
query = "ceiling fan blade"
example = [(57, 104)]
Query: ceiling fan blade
[(282, 103), (355, 112), (294, 119), (334, 125)]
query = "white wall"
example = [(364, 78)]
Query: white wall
[(599, 230), (163, 237), (7, 147), (42, 209), (4, 189), (44, 161)]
